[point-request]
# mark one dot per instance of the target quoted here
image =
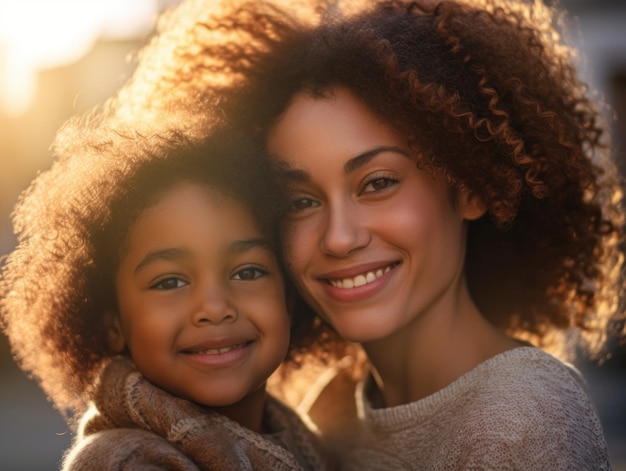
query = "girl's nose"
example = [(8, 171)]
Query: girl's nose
[(345, 231), (214, 307)]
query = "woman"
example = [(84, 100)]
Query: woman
[(453, 207)]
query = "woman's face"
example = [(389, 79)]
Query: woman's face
[(372, 241)]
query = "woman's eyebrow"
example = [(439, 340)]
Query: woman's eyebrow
[(293, 174), (361, 159), (296, 174)]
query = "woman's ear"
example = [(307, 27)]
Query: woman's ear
[(471, 206), (116, 340)]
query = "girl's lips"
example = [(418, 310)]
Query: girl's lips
[(218, 354)]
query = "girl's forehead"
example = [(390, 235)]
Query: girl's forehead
[(195, 217), (184, 196), (180, 197)]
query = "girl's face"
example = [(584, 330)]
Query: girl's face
[(372, 241), (201, 298)]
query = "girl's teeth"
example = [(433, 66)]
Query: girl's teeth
[(218, 351), (359, 280)]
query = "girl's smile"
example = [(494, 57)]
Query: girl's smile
[(220, 354), (201, 298)]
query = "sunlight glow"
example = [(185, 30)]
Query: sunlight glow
[(39, 34)]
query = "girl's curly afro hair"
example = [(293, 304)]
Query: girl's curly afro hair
[(72, 225)]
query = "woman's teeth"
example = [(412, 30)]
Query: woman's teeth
[(360, 280)]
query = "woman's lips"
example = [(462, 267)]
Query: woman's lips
[(356, 285)]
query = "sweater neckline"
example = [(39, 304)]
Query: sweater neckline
[(424, 409)]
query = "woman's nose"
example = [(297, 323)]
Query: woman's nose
[(214, 306), (345, 231)]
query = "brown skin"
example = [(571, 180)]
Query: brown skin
[(202, 307), (490, 99), (359, 204), (62, 273), (491, 103)]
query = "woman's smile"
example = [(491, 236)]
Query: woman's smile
[(358, 194)]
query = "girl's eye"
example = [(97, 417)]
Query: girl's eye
[(249, 273), (379, 184), (171, 282)]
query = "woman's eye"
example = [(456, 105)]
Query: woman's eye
[(249, 273), (302, 204), (169, 283), (379, 184)]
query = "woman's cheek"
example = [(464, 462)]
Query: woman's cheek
[(297, 248)]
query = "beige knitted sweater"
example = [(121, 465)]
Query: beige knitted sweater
[(134, 425), (521, 410)]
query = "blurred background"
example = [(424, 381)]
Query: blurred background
[(61, 57)]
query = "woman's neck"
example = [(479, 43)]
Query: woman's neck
[(436, 348)]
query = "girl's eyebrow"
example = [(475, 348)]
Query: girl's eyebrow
[(161, 254), (350, 166), (243, 245), (176, 253)]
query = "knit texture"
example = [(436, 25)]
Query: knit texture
[(133, 424), (520, 410)]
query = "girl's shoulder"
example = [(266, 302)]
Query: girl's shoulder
[(130, 448)]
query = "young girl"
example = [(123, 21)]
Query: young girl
[(145, 284), (453, 207)]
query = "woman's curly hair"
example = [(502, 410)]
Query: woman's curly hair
[(72, 224), (488, 96), (484, 90)]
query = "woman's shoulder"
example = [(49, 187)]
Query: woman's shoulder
[(530, 372), (521, 409), (519, 394), (520, 384), (528, 405)]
